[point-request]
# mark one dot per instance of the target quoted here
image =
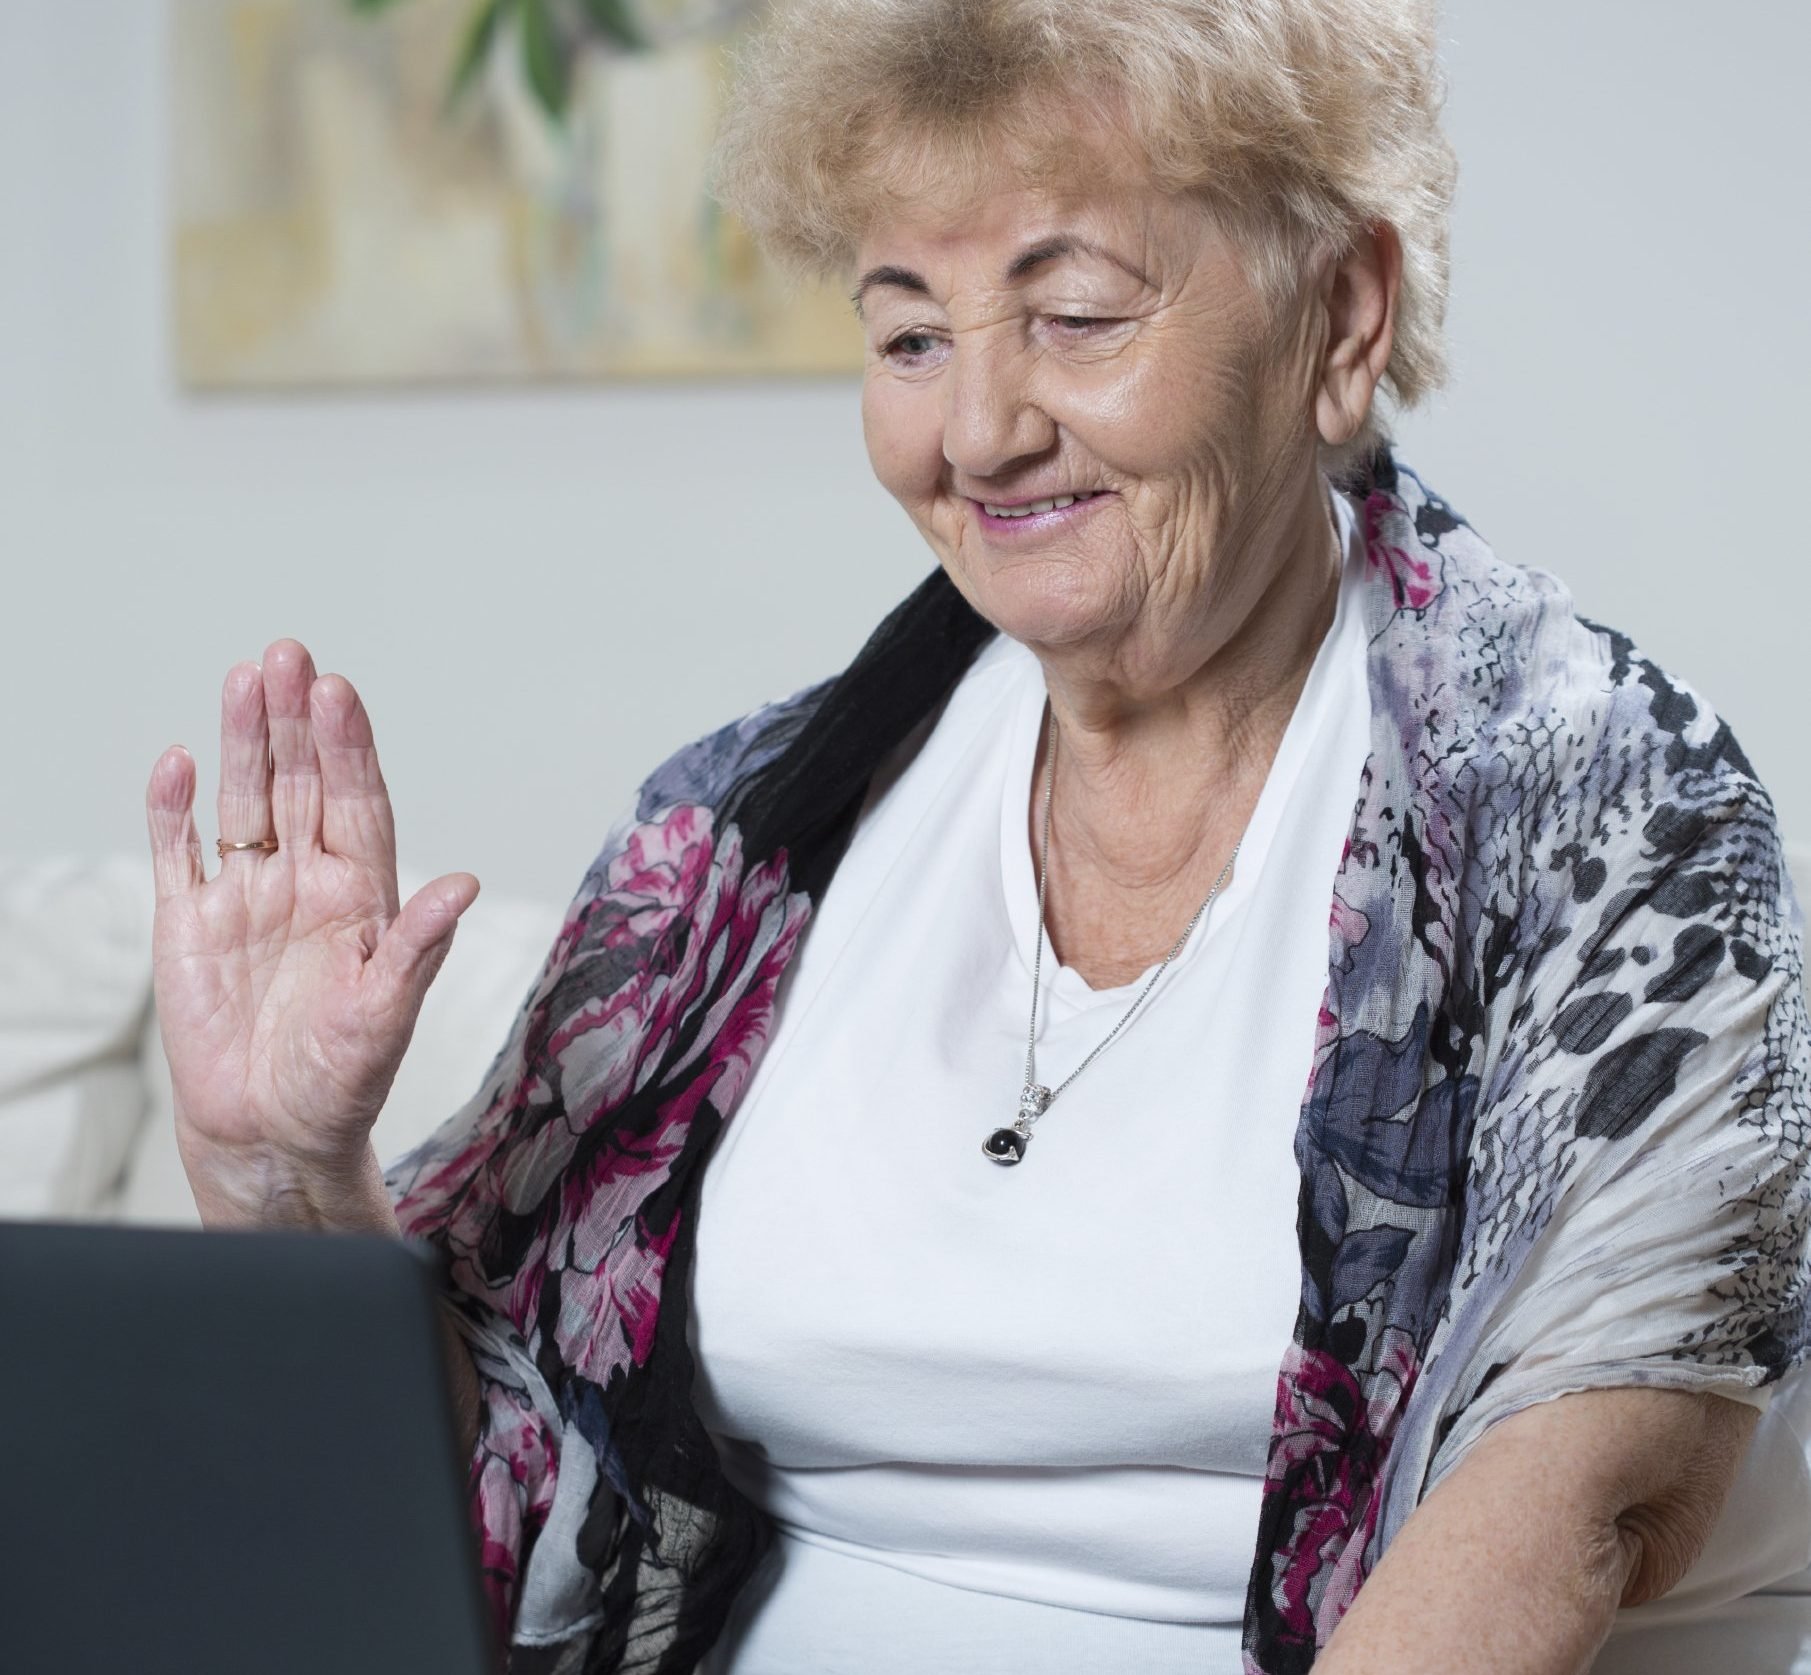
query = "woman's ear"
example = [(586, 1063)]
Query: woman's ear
[(1358, 291)]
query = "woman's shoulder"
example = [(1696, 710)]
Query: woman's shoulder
[(707, 768), (1540, 766), (1522, 673), (841, 725)]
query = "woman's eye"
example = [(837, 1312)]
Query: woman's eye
[(1077, 323), (910, 346)]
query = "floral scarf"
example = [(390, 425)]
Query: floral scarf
[(1553, 1137)]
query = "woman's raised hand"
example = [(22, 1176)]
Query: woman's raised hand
[(288, 985)]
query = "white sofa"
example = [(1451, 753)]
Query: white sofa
[(86, 1127)]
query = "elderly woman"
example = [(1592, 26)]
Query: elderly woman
[(1252, 1063)]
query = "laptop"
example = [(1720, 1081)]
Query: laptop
[(229, 1453)]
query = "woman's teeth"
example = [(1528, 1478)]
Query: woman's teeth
[(1036, 506)]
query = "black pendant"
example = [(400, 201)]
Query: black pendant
[(1006, 1145)]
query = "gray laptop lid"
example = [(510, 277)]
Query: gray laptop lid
[(228, 1453)]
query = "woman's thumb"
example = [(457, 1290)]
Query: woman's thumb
[(412, 949)]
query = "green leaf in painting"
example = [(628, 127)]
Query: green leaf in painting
[(480, 34), (543, 57), (616, 22)]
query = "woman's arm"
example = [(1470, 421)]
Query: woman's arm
[(1517, 1563)]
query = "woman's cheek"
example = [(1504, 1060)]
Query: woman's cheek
[(902, 424), (1126, 411)]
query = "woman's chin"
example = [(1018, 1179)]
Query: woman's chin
[(1046, 624)]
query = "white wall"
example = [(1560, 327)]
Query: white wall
[(1629, 332)]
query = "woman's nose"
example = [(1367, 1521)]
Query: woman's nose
[(990, 418)]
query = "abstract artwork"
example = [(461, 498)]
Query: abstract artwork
[(408, 191)]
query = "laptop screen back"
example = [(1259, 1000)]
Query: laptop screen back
[(229, 1452)]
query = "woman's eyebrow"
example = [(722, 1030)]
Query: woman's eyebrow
[(1028, 260), (902, 279), (1069, 244)]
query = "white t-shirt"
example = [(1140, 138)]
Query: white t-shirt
[(1015, 1419)]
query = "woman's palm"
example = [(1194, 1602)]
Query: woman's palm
[(287, 986)]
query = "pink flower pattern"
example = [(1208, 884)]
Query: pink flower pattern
[(1413, 580), (1328, 1445), (699, 942)]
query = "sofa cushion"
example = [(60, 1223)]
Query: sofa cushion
[(75, 987)]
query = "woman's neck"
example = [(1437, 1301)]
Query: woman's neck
[(1155, 786)]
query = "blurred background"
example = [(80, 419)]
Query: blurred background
[(402, 328), (1630, 350)]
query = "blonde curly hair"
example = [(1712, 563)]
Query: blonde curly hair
[(1298, 122)]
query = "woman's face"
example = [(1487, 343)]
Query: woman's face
[(1083, 404)]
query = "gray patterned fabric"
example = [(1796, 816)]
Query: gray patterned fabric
[(1555, 1134)]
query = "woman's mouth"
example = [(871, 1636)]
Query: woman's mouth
[(1027, 516)]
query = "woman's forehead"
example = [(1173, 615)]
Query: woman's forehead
[(1017, 229)]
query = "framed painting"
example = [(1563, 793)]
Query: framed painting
[(410, 191)]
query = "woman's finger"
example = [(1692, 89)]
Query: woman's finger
[(244, 801), (170, 815), (356, 818), (418, 939), (295, 786)]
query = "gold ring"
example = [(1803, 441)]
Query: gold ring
[(221, 846)]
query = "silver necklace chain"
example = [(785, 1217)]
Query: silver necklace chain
[(1007, 1145)]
